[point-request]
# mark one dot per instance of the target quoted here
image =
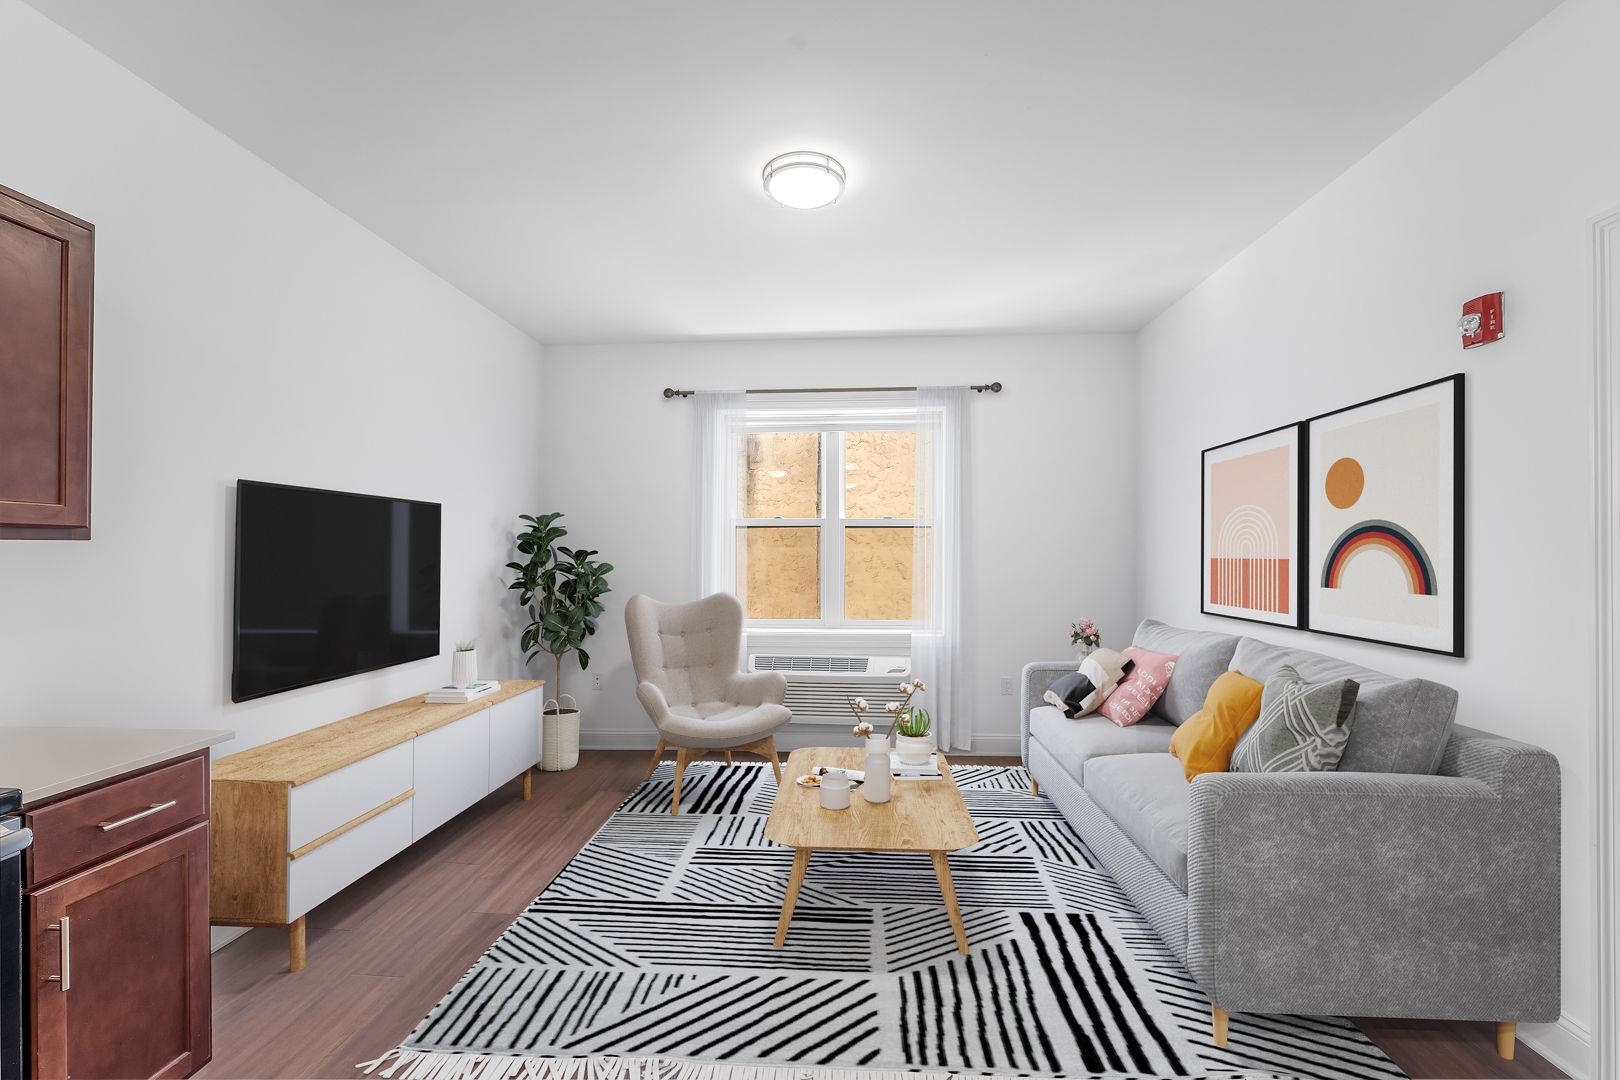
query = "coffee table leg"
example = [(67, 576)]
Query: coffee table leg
[(801, 862), (947, 888)]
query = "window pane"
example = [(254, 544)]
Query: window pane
[(880, 474), (783, 571), (877, 573), (784, 475)]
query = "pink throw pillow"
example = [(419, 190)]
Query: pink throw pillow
[(1137, 691)]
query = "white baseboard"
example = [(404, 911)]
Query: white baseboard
[(1567, 1043), (221, 936), (644, 738)]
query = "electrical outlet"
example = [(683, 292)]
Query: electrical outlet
[(596, 680), (1006, 686)]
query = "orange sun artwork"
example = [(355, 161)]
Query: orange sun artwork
[(1344, 483)]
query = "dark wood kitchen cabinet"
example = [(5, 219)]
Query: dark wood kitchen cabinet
[(118, 928), (47, 274)]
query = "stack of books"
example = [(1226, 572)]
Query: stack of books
[(902, 771), (456, 695)]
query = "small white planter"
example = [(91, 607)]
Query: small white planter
[(559, 737), (463, 668), (914, 749)]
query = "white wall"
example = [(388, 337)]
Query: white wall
[(243, 328), (1052, 525), (1355, 295)]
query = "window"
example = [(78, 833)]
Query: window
[(827, 525)]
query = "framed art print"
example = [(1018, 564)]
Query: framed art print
[(1385, 506), (1253, 526)]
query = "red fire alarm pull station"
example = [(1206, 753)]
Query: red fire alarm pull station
[(1481, 321)]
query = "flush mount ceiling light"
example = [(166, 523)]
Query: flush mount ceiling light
[(804, 179)]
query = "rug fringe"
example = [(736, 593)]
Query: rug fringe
[(405, 1063)]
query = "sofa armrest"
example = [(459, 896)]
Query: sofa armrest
[(1038, 678), (757, 688), (1378, 894)]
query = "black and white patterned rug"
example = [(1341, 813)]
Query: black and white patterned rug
[(651, 956)]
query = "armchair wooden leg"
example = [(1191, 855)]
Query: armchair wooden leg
[(1034, 786), (770, 756), (658, 755), (1218, 1018), (1507, 1032), (682, 756), (728, 759)]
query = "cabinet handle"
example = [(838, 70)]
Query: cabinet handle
[(64, 945), (155, 808)]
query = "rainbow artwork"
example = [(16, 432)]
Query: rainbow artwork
[(1386, 537)]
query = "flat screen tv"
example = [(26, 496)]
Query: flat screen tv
[(330, 584)]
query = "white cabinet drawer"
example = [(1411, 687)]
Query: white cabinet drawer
[(452, 771), (514, 737), (316, 808), (321, 872)]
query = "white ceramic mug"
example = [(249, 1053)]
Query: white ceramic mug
[(835, 790)]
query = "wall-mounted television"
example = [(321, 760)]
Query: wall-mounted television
[(330, 584)]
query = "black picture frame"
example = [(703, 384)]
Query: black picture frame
[(1458, 578), (1299, 580)]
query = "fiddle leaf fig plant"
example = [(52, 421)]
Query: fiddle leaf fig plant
[(562, 590)]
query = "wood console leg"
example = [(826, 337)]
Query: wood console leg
[(528, 785), (1507, 1031), (295, 945), (1218, 1018)]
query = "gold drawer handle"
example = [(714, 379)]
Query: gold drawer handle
[(155, 808), (65, 946)]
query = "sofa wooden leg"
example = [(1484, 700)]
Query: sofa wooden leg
[(1218, 1018), (1507, 1031)]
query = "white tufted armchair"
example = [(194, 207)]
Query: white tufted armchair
[(687, 659)]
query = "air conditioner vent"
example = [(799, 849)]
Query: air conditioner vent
[(846, 664)]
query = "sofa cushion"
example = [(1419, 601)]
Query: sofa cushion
[(1206, 741), (1397, 726), (1302, 725), (1147, 796), (1075, 742), (1201, 656)]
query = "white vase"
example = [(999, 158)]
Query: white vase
[(879, 783), (914, 749), (464, 668), (835, 790)]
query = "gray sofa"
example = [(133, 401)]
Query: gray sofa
[(1420, 879)]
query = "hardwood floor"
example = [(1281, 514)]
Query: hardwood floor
[(383, 951)]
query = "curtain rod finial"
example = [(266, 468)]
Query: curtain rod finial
[(671, 392)]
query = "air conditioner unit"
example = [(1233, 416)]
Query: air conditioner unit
[(819, 687)]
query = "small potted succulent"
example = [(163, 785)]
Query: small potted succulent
[(913, 727)]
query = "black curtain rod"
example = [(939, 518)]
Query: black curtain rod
[(992, 387)]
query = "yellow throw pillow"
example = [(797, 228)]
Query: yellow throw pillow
[(1205, 742)]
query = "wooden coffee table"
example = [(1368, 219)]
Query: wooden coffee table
[(923, 816)]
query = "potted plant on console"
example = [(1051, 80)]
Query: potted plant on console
[(561, 588)]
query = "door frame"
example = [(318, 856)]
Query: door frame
[(1605, 274)]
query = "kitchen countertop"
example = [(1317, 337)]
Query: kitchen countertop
[(46, 761)]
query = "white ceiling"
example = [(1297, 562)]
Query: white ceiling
[(590, 170)]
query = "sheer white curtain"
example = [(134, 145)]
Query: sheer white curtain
[(938, 558), (720, 418)]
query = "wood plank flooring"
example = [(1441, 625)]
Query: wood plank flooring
[(383, 951)]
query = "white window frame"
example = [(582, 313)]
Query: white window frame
[(831, 480)]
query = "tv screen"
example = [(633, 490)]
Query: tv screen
[(330, 584)]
